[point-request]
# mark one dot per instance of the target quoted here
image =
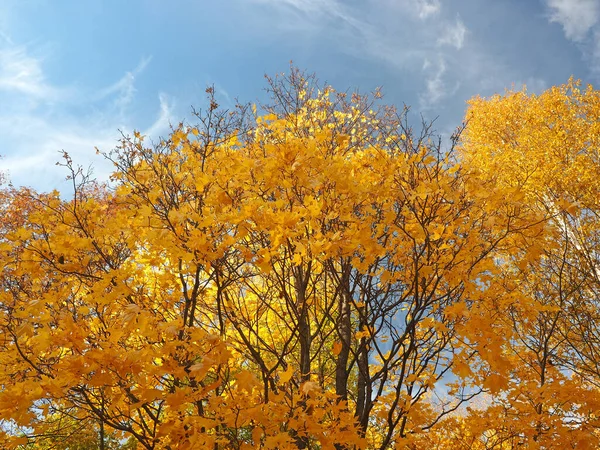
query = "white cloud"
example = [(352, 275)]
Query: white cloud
[(6, 38), (164, 119), (33, 136), (125, 86), (23, 73), (453, 34), (437, 85), (577, 17), (39, 141), (308, 7), (580, 20), (37, 145), (427, 8), (423, 41), (414, 9), (123, 90)]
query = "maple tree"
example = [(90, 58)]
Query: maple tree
[(546, 146), (313, 275)]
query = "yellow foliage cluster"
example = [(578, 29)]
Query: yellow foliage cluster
[(316, 277)]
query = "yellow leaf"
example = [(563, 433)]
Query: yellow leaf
[(309, 388), (257, 435), (337, 348), (286, 376), (246, 380)]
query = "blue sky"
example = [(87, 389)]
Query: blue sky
[(74, 73)]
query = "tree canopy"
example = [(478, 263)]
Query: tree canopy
[(314, 273)]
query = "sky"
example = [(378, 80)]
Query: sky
[(75, 74)]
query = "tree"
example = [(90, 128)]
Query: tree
[(318, 276), (546, 147)]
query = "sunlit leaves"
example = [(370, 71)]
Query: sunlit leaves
[(313, 277)]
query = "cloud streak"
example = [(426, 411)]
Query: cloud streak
[(577, 17), (415, 37), (32, 137), (437, 87), (580, 20), (454, 35), (22, 73), (427, 8)]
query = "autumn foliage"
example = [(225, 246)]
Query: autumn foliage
[(317, 275)]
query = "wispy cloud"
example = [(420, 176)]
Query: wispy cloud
[(164, 119), (6, 38), (453, 34), (580, 20), (304, 14), (427, 8), (307, 6), (32, 137), (39, 141), (437, 87), (407, 34), (577, 17), (22, 73), (422, 10), (124, 89)]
